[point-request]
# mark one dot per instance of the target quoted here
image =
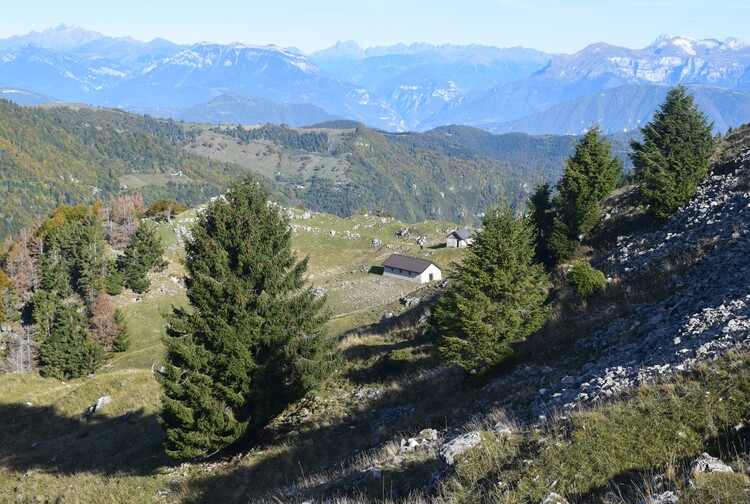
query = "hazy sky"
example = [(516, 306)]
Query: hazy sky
[(549, 25)]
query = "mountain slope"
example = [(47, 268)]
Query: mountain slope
[(237, 108), (63, 75), (59, 155), (602, 67), (412, 176), (23, 97), (205, 71), (418, 80), (626, 108)]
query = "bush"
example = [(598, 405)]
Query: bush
[(586, 279), (162, 210)]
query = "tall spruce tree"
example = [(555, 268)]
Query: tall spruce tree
[(590, 176), (144, 253), (69, 352), (88, 260), (253, 339), (674, 154), (498, 296), (541, 212)]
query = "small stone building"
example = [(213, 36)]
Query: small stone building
[(459, 238), (411, 268)]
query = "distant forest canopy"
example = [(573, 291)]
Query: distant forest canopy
[(281, 135), (60, 155), (55, 155)]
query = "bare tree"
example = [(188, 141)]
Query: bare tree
[(121, 219), (104, 329), (21, 350), (21, 265)]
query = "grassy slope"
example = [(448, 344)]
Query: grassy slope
[(380, 396), (49, 452)]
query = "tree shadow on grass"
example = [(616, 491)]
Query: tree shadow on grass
[(319, 456), (637, 484), (40, 438)]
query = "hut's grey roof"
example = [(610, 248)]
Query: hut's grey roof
[(461, 234), (407, 263)]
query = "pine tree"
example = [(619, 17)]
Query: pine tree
[(69, 352), (144, 253), (589, 177), (54, 262), (253, 340), (88, 262), (541, 212), (674, 154), (497, 298), (43, 305), (122, 338), (72, 253)]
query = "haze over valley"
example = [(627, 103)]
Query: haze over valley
[(396, 88)]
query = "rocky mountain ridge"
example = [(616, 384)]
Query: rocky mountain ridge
[(397, 88)]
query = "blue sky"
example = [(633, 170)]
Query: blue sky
[(549, 25)]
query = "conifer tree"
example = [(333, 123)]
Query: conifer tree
[(541, 212), (144, 253), (253, 339), (54, 262), (69, 352), (122, 338), (497, 298), (43, 305), (88, 262), (674, 154), (590, 176)]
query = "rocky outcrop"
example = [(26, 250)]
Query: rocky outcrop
[(698, 259), (706, 464), (461, 444)]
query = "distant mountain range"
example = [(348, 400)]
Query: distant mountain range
[(396, 88)]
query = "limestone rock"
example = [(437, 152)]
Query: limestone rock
[(554, 498), (411, 301), (459, 445), (100, 403), (706, 464), (668, 497)]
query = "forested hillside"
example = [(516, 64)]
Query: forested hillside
[(451, 174), (61, 155), (56, 155)]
